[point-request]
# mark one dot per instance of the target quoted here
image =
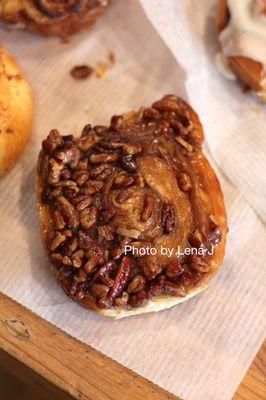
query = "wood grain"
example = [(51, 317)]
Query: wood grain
[(81, 371), (76, 368)]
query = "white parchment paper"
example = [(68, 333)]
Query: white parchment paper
[(201, 349)]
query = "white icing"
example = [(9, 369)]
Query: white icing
[(223, 66), (245, 34)]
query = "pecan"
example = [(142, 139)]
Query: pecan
[(57, 241), (96, 250), (182, 127), (88, 217), (122, 196), (139, 181), (69, 155), (68, 212), (128, 163), (82, 164), (195, 239), (67, 232), (117, 122), (65, 173), (81, 71), (103, 273), (184, 182), (80, 177), (120, 248), (151, 269), (84, 203), (107, 214), (54, 172), (67, 184), (92, 187), (81, 276), (198, 264), (121, 278), (156, 287), (91, 264), (138, 299), (121, 301), (56, 258), (147, 208), (70, 192), (101, 172), (174, 269), (166, 105), (48, 194), (187, 146), (87, 141), (103, 158), (106, 232), (188, 278), (124, 181), (72, 245), (174, 289), (132, 148), (58, 220), (151, 113), (168, 218), (84, 240), (53, 140), (164, 127), (137, 284), (98, 290), (66, 261), (77, 258), (80, 294)]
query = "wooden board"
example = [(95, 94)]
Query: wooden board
[(79, 370)]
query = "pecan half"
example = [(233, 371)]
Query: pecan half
[(121, 278), (147, 208), (68, 212), (88, 217)]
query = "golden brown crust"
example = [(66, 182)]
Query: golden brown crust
[(247, 70), (211, 198), (52, 17), (15, 111)]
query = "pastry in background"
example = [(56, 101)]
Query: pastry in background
[(132, 214), (15, 111), (242, 28), (52, 17)]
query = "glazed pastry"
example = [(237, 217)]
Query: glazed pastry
[(242, 27), (15, 111), (52, 17), (121, 208)]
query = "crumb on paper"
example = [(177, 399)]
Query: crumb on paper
[(81, 71), (100, 70), (256, 110), (111, 58)]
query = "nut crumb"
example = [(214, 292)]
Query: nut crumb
[(81, 71)]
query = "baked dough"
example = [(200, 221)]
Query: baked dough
[(250, 71), (113, 199), (15, 111), (52, 17)]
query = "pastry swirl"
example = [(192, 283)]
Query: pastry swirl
[(113, 199), (52, 17)]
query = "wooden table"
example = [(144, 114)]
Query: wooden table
[(62, 367)]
